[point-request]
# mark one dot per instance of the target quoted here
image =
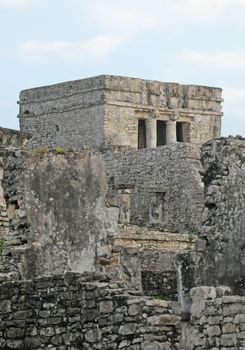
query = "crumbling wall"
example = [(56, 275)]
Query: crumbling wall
[(217, 320), (157, 190), (163, 186), (56, 203), (64, 219), (158, 276), (221, 243), (9, 139), (157, 252), (88, 311), (4, 221), (84, 312)]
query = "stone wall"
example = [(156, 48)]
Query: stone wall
[(56, 205), (221, 243), (158, 273), (104, 111), (73, 128), (67, 115), (4, 221), (217, 320), (9, 139), (84, 312), (88, 311), (49, 236), (158, 187)]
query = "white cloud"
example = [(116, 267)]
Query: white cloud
[(229, 60), (146, 13), (125, 20), (13, 3), (95, 48), (130, 18)]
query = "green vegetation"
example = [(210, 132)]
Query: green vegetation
[(59, 150), (161, 297), (41, 150)]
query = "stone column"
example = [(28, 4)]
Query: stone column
[(151, 133), (171, 132)]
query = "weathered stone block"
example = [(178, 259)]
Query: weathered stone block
[(106, 307), (127, 329), (228, 340)]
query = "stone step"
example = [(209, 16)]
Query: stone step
[(9, 276)]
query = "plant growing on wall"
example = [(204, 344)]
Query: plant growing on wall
[(59, 150)]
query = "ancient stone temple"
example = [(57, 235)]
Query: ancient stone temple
[(118, 111), (122, 219)]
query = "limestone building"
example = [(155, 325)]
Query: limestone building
[(107, 111)]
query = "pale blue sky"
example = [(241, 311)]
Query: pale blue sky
[(186, 41)]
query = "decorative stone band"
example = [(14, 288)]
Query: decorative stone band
[(140, 237)]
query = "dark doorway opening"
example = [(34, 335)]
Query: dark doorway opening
[(141, 134), (182, 132), (179, 132), (161, 133)]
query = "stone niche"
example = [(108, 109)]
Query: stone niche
[(157, 208)]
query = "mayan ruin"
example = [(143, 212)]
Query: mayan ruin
[(122, 219)]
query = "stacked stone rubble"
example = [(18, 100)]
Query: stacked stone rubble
[(217, 320), (83, 312)]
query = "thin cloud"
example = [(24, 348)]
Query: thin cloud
[(234, 99), (131, 19), (234, 111), (95, 48), (13, 3), (229, 60), (125, 20), (210, 9)]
